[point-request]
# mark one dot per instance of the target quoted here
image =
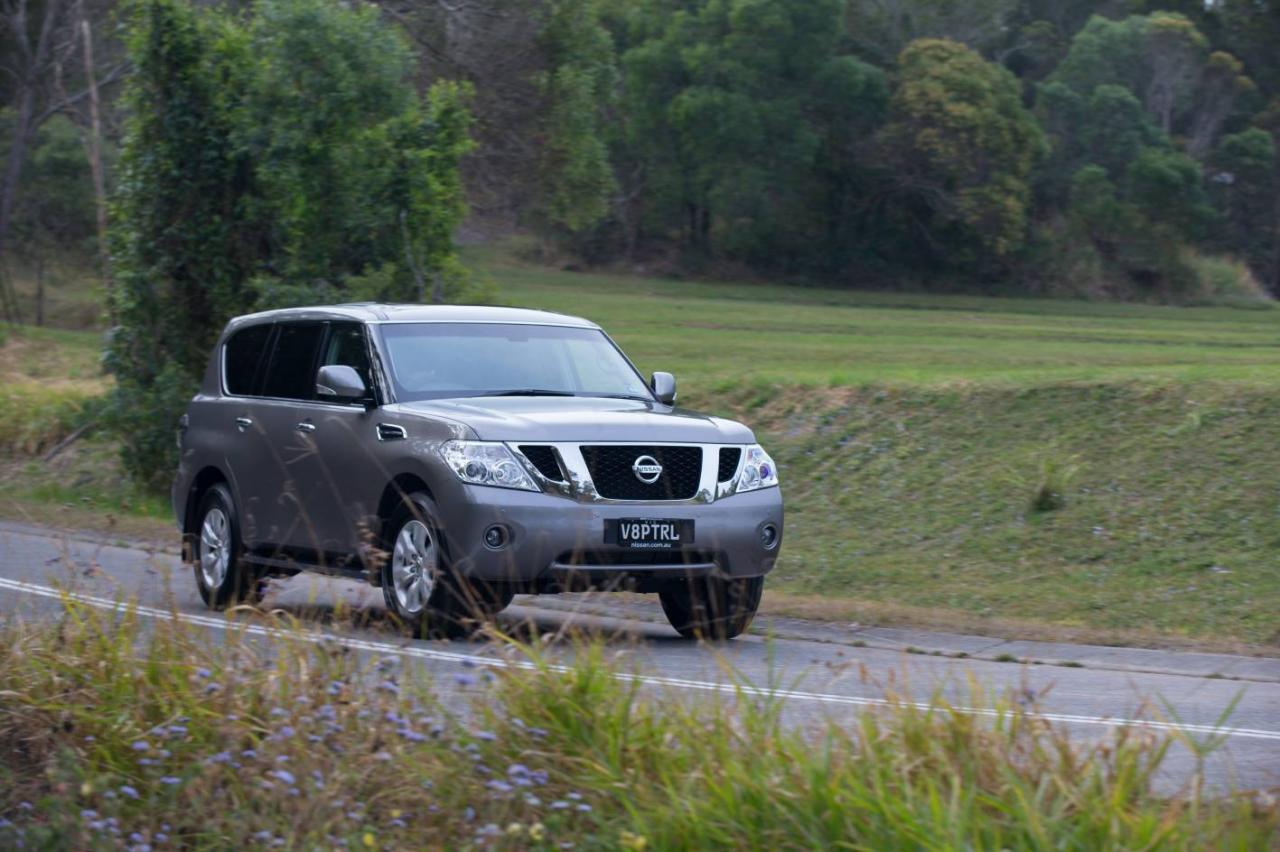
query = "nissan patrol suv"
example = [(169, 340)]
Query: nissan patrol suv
[(456, 456)]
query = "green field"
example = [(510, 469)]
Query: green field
[(916, 433), (916, 436)]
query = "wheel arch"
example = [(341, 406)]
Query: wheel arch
[(394, 494), (208, 477)]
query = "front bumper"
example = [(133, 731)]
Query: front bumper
[(555, 543)]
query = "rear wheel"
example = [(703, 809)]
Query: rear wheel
[(711, 608), (222, 577), (417, 584)]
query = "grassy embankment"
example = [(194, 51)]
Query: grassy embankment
[(114, 737), (1108, 472), (1112, 470)]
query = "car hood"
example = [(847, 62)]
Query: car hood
[(580, 420)]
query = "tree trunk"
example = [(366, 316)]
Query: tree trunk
[(32, 71), (93, 143), (39, 291)]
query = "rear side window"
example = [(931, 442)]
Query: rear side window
[(291, 372), (243, 355)]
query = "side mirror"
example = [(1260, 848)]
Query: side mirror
[(664, 387), (340, 383)]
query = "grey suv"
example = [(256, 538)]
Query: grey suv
[(456, 456)]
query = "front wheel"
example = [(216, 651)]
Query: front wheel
[(712, 608), (222, 577), (417, 585)]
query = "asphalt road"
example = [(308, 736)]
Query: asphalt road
[(823, 672)]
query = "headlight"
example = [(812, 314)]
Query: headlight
[(758, 471), (486, 463)]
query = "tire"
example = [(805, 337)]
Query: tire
[(711, 608), (222, 576), (420, 590)]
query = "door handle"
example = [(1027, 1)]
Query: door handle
[(306, 426), (243, 423)]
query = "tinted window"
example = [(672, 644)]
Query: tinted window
[(346, 346), (291, 373), (244, 353)]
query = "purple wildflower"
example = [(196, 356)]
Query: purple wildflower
[(284, 775), (126, 790), (140, 745), (464, 680), (171, 780)]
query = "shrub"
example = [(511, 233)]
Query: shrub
[(1225, 280)]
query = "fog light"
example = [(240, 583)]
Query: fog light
[(768, 536), (495, 537)]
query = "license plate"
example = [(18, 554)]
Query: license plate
[(649, 533)]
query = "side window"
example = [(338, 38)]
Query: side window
[(243, 354), (346, 346), (291, 372)]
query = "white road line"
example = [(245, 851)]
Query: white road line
[(413, 651)]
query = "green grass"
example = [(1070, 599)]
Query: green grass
[(969, 461), (727, 334), (114, 736), (50, 383)]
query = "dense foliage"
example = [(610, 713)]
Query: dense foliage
[(276, 157), (1086, 148)]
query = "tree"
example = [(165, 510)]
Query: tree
[(56, 214), (38, 39), (580, 85), (1167, 187), (962, 146), (184, 241), (1165, 61), (723, 101), (1245, 181), (277, 158), (880, 29)]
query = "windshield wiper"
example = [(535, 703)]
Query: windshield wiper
[(636, 397), (530, 392)]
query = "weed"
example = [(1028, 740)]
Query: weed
[(115, 736)]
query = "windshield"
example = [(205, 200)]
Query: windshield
[(440, 360)]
